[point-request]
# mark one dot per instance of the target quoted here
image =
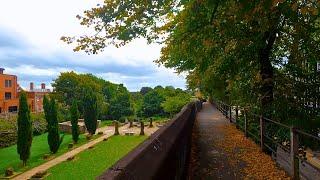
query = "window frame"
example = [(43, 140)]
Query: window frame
[(8, 83), (6, 97)]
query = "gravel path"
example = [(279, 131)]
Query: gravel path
[(107, 132), (220, 151)]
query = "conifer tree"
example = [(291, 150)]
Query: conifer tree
[(50, 110), (74, 121), (90, 111), (24, 129)]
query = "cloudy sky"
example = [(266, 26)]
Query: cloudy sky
[(30, 47)]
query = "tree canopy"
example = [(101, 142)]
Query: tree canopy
[(70, 86), (258, 53)]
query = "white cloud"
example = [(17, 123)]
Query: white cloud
[(41, 23), (31, 70)]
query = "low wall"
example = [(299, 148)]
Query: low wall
[(66, 127), (165, 155)]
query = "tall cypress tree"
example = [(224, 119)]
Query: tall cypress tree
[(90, 111), (46, 108), (50, 110), (74, 121), (24, 129)]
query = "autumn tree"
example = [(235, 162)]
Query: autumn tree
[(24, 129), (260, 54)]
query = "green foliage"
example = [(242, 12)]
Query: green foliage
[(9, 125), (120, 104), (152, 104), (137, 101), (50, 110), (90, 107), (39, 123), (174, 104), (24, 129), (70, 86), (74, 121), (259, 54), (145, 90)]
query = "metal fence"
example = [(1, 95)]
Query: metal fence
[(165, 155), (289, 152)]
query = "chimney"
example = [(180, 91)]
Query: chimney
[(1, 70), (31, 86), (43, 86)]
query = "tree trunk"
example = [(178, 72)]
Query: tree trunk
[(266, 73)]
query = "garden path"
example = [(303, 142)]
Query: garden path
[(221, 151), (107, 132)]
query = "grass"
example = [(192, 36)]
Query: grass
[(10, 158), (155, 119), (93, 162), (106, 123)]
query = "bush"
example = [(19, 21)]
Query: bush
[(7, 139), (39, 124), (122, 119), (8, 128)]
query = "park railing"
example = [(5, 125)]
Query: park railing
[(289, 152), (165, 155)]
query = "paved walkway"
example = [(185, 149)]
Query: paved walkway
[(107, 132), (220, 151)]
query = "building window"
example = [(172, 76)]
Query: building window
[(8, 83), (13, 109), (7, 96)]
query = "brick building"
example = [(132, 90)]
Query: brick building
[(9, 94), (35, 97)]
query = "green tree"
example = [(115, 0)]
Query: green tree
[(120, 104), (71, 86), (67, 87), (145, 90), (174, 104), (152, 104), (74, 121), (51, 115), (137, 101), (260, 54), (46, 108), (24, 129), (90, 110)]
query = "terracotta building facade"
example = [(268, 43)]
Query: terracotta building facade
[(9, 94)]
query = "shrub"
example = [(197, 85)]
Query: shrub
[(122, 119), (39, 124)]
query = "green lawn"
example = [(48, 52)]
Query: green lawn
[(92, 162), (106, 123), (10, 158)]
